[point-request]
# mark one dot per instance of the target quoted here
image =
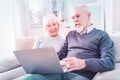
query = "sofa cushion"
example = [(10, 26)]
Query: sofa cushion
[(8, 63), (116, 40), (24, 43), (109, 75)]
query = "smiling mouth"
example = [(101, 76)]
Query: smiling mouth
[(53, 31)]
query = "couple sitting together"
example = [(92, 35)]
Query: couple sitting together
[(86, 50)]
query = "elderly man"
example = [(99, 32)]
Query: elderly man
[(86, 50)]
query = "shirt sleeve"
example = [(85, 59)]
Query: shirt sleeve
[(107, 58), (37, 42)]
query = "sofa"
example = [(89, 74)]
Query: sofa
[(10, 68)]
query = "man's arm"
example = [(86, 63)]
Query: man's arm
[(107, 59), (63, 51)]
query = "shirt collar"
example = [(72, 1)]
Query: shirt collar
[(87, 30), (90, 28)]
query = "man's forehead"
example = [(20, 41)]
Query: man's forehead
[(77, 11)]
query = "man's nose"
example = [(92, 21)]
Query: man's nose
[(75, 19)]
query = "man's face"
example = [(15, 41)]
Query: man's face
[(52, 28), (80, 18)]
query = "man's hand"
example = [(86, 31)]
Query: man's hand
[(73, 63)]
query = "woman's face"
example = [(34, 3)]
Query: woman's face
[(52, 28)]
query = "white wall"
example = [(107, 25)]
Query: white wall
[(116, 15), (112, 17), (6, 28), (9, 19)]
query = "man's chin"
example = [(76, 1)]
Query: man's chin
[(77, 29), (77, 26)]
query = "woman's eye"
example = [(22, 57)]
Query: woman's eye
[(72, 17), (48, 25), (54, 24), (77, 16)]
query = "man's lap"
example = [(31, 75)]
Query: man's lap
[(40, 77), (73, 76), (65, 76)]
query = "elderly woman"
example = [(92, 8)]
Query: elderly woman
[(51, 26)]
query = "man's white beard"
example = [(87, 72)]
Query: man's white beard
[(79, 29)]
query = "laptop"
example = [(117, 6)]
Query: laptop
[(41, 60)]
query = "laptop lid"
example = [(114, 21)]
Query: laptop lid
[(41, 60)]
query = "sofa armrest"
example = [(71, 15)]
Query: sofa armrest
[(109, 75), (8, 63), (12, 74), (116, 40)]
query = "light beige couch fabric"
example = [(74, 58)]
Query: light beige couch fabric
[(9, 68), (24, 43), (8, 63), (12, 74), (109, 75), (116, 40)]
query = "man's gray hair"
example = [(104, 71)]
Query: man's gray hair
[(82, 7)]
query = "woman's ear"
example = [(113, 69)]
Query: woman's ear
[(58, 25), (89, 14)]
